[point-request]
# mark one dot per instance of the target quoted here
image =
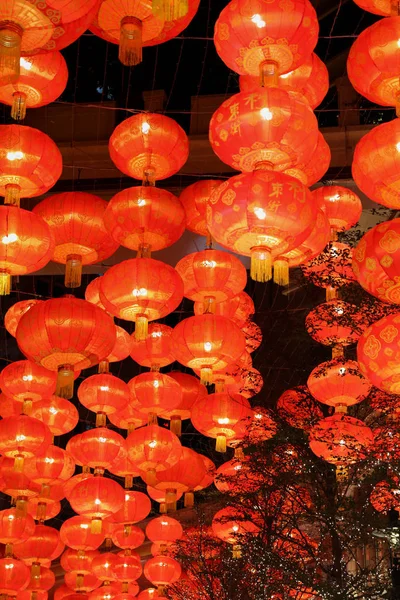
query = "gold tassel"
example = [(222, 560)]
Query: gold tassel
[(161, 591), (152, 419), (73, 271), (101, 419), (170, 10), (18, 109), (8, 553), (149, 177), (108, 543), (209, 241), (341, 473), (330, 293), (151, 478), (5, 283), (13, 194), (341, 409), (170, 507), (65, 382), (27, 406), (163, 508), (45, 490), (141, 327), (189, 500), (337, 352), (41, 511), (19, 462), (34, 595), (281, 272), (220, 444), (35, 570), (236, 551), (125, 587), (269, 73), (206, 375), (144, 251), (96, 526), (79, 580), (219, 386), (104, 366), (176, 425), (261, 264), (85, 469), (209, 305), (21, 507), (130, 41), (128, 482), (10, 51), (170, 496), (155, 368), (131, 427), (127, 530)]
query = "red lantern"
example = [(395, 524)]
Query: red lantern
[(127, 537), (85, 584), (43, 509), (385, 495), (14, 577), (298, 408), (14, 528), (27, 382), (341, 205), (97, 448), (207, 342), (14, 314), (103, 394), (174, 27), (103, 566), (42, 79), (272, 214), (386, 8), (17, 485), (51, 466), (267, 41), (211, 276), (160, 496), (192, 390), (123, 467), (26, 244), (149, 146), (77, 534), (331, 269), (253, 335), (141, 290), (66, 334), (39, 547), (58, 414), (231, 524), (251, 130), (127, 569), (239, 308), (378, 353), (129, 418), (155, 351), (30, 162), (155, 393), (44, 582), (145, 217), (195, 200), (338, 383), (136, 507), (76, 222), (164, 531), (310, 79), (376, 163), (236, 477), (77, 562), (216, 415), (162, 571), (22, 437), (248, 382), (258, 426)]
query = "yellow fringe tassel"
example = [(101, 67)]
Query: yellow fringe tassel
[(101, 419), (219, 386), (189, 500), (8, 552), (209, 305), (236, 551), (341, 473), (206, 375), (18, 108), (269, 73), (21, 507), (337, 352), (79, 580), (41, 511), (128, 482), (281, 272), (176, 425), (19, 462), (130, 42), (73, 271), (220, 444), (10, 51), (27, 406), (35, 570), (5, 284), (96, 526), (261, 264), (141, 327), (13, 194), (65, 382), (170, 496), (104, 366)]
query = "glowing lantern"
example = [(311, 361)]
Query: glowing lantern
[(235, 476), (211, 276), (163, 532), (141, 290), (145, 218), (331, 269), (42, 80), (378, 354), (216, 415), (266, 41), (251, 130), (162, 571), (26, 244), (387, 442), (298, 408), (249, 382), (17, 485), (338, 383), (52, 466), (123, 467), (43, 583), (127, 537), (14, 577), (207, 342), (153, 449), (76, 534), (310, 79), (22, 437), (39, 547), (253, 335), (376, 164), (97, 448), (66, 334), (86, 584), (160, 496), (58, 414), (195, 200), (230, 525), (129, 418), (385, 495), (30, 162), (386, 8), (136, 507), (314, 167), (76, 222), (14, 528), (149, 594), (14, 314), (341, 205), (155, 351), (192, 390), (239, 308), (27, 382), (97, 498), (103, 394), (103, 566), (149, 146), (274, 214), (127, 569), (155, 393), (43, 509)]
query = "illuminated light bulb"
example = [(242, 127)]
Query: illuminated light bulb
[(10, 566), (207, 346), (126, 497), (334, 198), (49, 460), (266, 114), (25, 64), (53, 410), (145, 127), (17, 155), (104, 388), (27, 377), (106, 565), (156, 334), (286, 75), (97, 501), (398, 146), (223, 421), (209, 263), (156, 383), (84, 526), (153, 443), (258, 21), (20, 438), (102, 440), (164, 522), (342, 370), (9, 239), (139, 292), (258, 416), (11, 517), (260, 213), (235, 527)]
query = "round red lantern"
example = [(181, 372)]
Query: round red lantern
[(129, 418), (96, 448), (162, 571), (263, 215), (26, 382), (14, 528), (127, 537), (103, 394), (155, 351), (58, 414), (14, 314), (51, 466), (164, 531), (338, 383), (141, 290), (192, 390), (22, 437), (14, 577), (43, 509), (331, 269), (39, 547), (298, 408), (81, 238), (194, 199), (385, 495), (182, 477), (239, 308), (236, 477), (127, 569), (231, 525), (30, 162), (341, 205), (136, 507), (249, 130), (160, 496), (76, 533), (85, 584), (149, 146), (77, 562), (266, 40), (174, 27), (155, 393)]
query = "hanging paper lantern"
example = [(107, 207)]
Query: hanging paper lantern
[(127, 537), (236, 477), (129, 418), (66, 334), (42, 80), (192, 390), (331, 269), (250, 130), (123, 467), (14, 577), (155, 393), (127, 569), (149, 146), (338, 383), (173, 28), (298, 408), (28, 29), (97, 448), (86, 584), (51, 466), (26, 382), (141, 290), (376, 164), (162, 571), (211, 276), (248, 382), (103, 566), (136, 507), (310, 79), (16, 485), (155, 351), (387, 442), (231, 524), (81, 238), (76, 533), (38, 548), (195, 199), (239, 308), (217, 414), (164, 531), (386, 8), (253, 335), (153, 449), (14, 314), (30, 162), (266, 40), (14, 528), (22, 437), (377, 354), (103, 394), (58, 414), (160, 497), (145, 218), (43, 583), (26, 244), (385, 495), (341, 205), (43, 509), (263, 215), (97, 498)]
